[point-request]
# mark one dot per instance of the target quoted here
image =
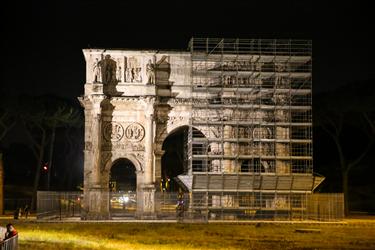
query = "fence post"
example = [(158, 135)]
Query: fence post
[(73, 205), (60, 204)]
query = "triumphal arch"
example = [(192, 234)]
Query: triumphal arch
[(239, 110)]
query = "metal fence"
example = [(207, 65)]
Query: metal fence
[(325, 207), (269, 206), (9, 244), (202, 206), (58, 205)]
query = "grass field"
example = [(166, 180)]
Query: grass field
[(105, 235)]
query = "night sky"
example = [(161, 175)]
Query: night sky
[(42, 42)]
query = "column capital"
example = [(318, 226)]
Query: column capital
[(149, 102), (159, 153)]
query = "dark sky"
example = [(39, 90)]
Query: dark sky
[(42, 42)]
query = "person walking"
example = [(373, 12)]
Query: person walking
[(180, 209), (17, 213), (26, 211)]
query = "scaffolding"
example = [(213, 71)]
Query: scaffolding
[(242, 108), (250, 136)]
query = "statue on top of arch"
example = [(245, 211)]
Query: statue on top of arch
[(105, 70)]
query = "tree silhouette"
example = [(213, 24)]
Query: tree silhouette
[(348, 110), (41, 116), (63, 115), (73, 147)]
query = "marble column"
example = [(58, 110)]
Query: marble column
[(96, 196), (157, 171), (148, 183), (149, 154), (96, 145)]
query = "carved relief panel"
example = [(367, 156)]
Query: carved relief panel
[(113, 131), (133, 69), (135, 132), (122, 136), (112, 68)]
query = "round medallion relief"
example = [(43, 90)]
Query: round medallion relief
[(135, 132), (113, 131)]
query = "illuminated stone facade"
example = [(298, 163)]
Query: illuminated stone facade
[(253, 109), (124, 119)]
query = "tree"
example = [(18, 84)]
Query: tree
[(73, 148), (351, 107), (62, 115), (7, 122), (41, 116), (32, 115)]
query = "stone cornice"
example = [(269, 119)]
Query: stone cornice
[(88, 101), (133, 52)]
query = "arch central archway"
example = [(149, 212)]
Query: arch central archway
[(123, 177), (174, 162), (123, 188)]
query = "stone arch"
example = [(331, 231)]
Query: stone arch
[(173, 161), (160, 137), (131, 157), (115, 157), (172, 126), (170, 129), (124, 173)]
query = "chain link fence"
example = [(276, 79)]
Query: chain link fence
[(202, 206)]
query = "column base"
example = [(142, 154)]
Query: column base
[(96, 204), (147, 208)]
